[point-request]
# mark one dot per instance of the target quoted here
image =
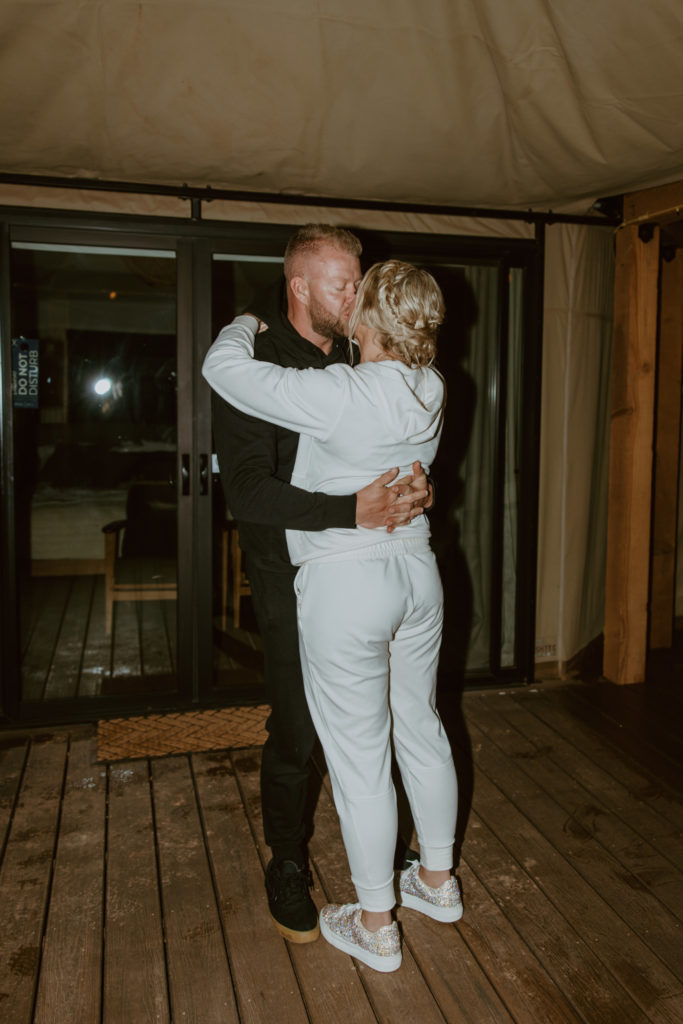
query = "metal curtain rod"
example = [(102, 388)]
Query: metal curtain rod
[(207, 193)]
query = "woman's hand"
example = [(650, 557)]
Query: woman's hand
[(261, 325)]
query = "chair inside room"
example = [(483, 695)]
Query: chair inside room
[(140, 551)]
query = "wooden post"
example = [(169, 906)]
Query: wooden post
[(667, 453), (631, 440)]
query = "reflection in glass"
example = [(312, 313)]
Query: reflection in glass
[(94, 470), (464, 470), (466, 516), (513, 430), (237, 660)]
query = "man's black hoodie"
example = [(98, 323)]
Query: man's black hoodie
[(256, 459)]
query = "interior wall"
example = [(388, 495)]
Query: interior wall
[(577, 341)]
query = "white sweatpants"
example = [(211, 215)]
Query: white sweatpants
[(369, 633)]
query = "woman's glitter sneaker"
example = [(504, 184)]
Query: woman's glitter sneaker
[(442, 904), (343, 928)]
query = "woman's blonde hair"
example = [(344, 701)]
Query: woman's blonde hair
[(405, 306)]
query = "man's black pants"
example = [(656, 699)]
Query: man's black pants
[(291, 736)]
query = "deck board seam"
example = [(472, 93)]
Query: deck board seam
[(605, 962), (594, 795), (212, 875), (643, 741), (529, 948), (51, 876), (580, 941), (15, 801), (160, 887), (636, 767)]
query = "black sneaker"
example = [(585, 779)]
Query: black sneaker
[(289, 901)]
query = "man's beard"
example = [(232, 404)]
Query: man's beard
[(324, 323)]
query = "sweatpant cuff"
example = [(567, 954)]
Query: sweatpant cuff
[(436, 858), (378, 900)]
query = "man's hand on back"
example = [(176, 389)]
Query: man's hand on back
[(414, 496), (383, 503)]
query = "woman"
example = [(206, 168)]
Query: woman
[(369, 601)]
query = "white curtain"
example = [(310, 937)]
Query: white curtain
[(574, 439), (476, 517)]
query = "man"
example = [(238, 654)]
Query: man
[(256, 460)]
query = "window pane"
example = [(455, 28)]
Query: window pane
[(95, 455), (237, 659)]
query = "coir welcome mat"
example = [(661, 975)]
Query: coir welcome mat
[(181, 732)]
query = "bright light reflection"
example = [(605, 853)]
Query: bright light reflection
[(103, 386)]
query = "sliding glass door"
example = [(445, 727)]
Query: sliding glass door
[(95, 429)]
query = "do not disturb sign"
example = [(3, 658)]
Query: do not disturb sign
[(25, 372)]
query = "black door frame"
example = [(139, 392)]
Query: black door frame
[(194, 243)]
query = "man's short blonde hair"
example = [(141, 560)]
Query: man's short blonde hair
[(404, 304), (308, 238)]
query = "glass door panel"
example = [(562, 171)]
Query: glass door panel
[(464, 469), (475, 519), (95, 439), (475, 522), (514, 391), (237, 658)]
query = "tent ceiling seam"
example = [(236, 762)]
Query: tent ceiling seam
[(208, 193)]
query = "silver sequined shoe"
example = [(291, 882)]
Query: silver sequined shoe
[(343, 928), (442, 904)]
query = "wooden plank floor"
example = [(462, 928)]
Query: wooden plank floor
[(66, 652), (133, 892)]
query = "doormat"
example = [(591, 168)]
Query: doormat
[(181, 732)]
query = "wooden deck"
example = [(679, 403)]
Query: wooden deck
[(133, 893), (66, 652)]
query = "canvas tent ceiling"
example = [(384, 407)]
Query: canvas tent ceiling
[(536, 103)]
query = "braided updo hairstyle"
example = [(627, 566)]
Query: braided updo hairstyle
[(404, 304)]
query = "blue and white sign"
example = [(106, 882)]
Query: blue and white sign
[(25, 372)]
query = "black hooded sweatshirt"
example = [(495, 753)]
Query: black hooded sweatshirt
[(256, 459)]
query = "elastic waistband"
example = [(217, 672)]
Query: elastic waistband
[(385, 549)]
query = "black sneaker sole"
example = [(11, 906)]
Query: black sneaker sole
[(293, 936)]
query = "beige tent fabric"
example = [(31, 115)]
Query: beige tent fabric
[(476, 102), (574, 439), (379, 220), (88, 201)]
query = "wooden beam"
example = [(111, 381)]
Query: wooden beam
[(667, 453), (631, 439), (660, 205)]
